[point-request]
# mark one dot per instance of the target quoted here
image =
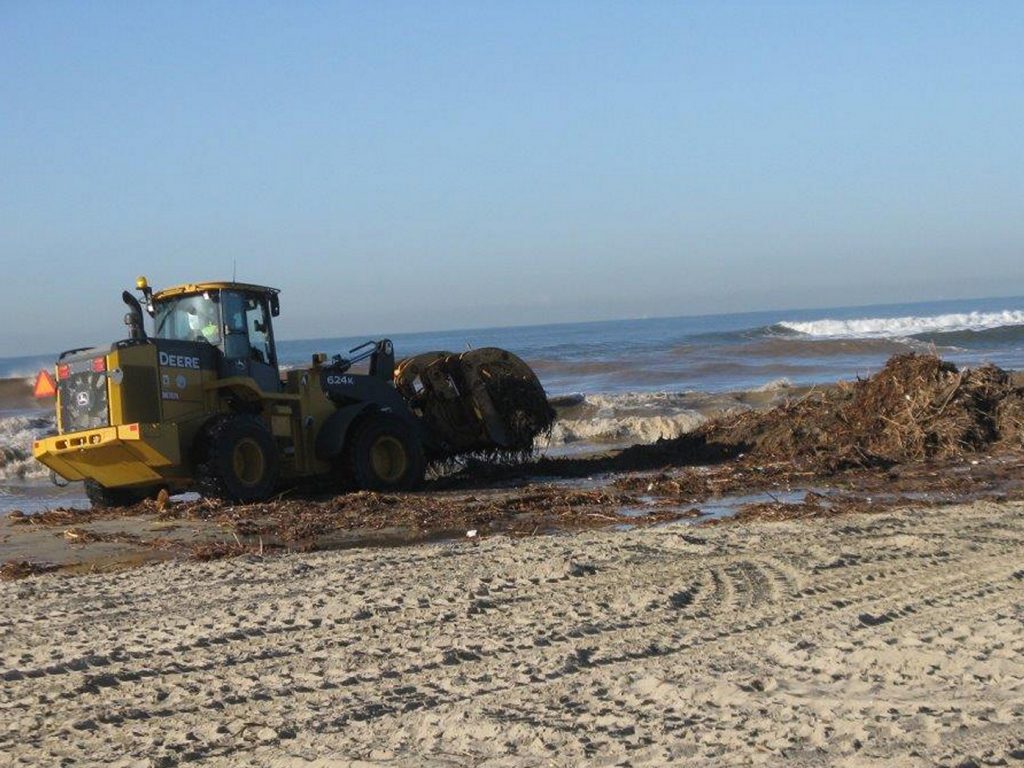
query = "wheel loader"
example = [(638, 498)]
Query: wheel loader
[(200, 403)]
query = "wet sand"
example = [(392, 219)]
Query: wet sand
[(557, 496), (892, 638)]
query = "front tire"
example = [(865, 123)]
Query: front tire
[(101, 497), (385, 454), (238, 460)]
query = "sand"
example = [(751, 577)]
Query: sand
[(889, 639)]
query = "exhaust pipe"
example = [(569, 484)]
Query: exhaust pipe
[(133, 319)]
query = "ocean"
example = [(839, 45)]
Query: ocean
[(622, 381)]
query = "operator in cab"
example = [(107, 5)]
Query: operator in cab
[(203, 322)]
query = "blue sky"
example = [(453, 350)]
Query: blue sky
[(413, 166)]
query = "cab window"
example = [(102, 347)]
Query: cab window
[(189, 318), (246, 317), (256, 318)]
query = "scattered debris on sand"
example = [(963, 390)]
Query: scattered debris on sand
[(20, 569), (214, 529), (301, 524)]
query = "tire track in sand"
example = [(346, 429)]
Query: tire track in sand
[(696, 602)]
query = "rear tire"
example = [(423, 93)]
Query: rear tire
[(385, 454), (101, 497), (238, 460)]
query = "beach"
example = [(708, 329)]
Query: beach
[(889, 639), (512, 385), (795, 574)]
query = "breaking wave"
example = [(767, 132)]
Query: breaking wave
[(643, 417), (22, 420), (16, 436), (904, 327), (602, 419), (622, 429)]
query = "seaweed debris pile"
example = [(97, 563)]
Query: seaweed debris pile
[(917, 407)]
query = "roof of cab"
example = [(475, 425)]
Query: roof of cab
[(217, 285)]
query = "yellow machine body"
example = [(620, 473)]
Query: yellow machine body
[(156, 411), (144, 413)]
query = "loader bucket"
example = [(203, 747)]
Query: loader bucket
[(483, 401)]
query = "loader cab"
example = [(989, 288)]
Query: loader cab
[(233, 318)]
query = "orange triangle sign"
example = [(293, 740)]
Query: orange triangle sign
[(45, 385)]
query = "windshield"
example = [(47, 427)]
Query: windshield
[(189, 318)]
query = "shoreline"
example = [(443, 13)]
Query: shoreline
[(672, 483), (919, 431), (642, 486)]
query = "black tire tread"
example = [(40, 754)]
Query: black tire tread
[(357, 461), (213, 453), (102, 497)]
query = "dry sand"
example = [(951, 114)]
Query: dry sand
[(890, 639)]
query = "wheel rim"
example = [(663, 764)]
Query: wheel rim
[(248, 462), (388, 459)]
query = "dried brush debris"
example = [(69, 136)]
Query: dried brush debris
[(76, 536), (534, 508), (219, 550), (917, 407), (20, 569)]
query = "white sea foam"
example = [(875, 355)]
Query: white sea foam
[(775, 385), (643, 417), (623, 429), (16, 436), (899, 327), (622, 419)]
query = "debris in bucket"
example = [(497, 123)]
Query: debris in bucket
[(525, 408)]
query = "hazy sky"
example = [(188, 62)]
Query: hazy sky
[(400, 166)]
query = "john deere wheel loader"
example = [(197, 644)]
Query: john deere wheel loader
[(201, 404)]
